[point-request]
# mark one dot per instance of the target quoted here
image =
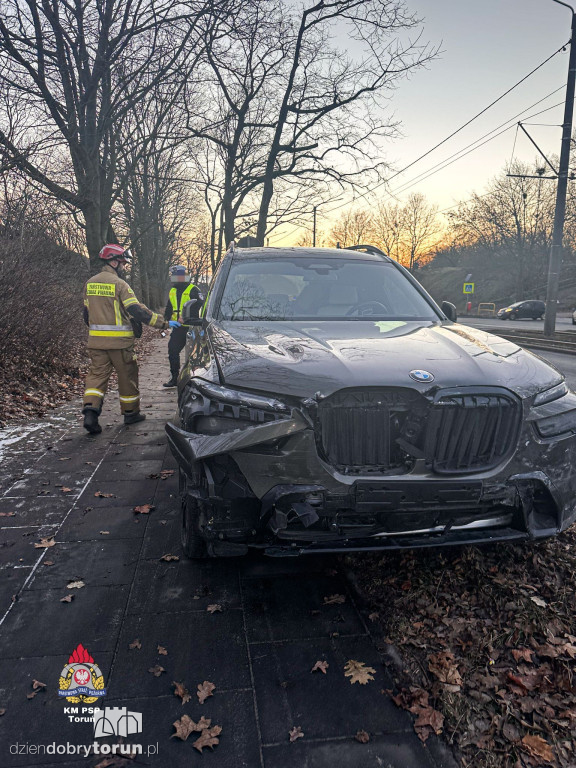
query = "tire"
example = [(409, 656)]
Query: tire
[(193, 543), (573, 321)]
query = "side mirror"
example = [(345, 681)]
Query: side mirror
[(449, 310), (190, 312)]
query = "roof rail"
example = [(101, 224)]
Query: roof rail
[(372, 249)]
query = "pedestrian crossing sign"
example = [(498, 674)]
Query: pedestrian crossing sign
[(468, 287)]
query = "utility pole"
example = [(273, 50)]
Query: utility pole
[(314, 227), (555, 262)]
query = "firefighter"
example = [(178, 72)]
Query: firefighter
[(183, 290), (113, 315)]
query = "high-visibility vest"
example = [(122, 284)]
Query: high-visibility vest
[(184, 297)]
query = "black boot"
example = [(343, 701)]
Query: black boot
[(91, 420), (172, 383), (133, 418)]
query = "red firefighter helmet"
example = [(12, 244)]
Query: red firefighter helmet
[(112, 251)]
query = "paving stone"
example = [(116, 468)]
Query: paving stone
[(379, 752), (43, 483), (324, 705), (135, 469), (148, 436), (86, 524), (201, 646), (183, 586), (11, 582), (40, 624), (97, 563), (163, 539), (124, 493), (282, 608), (34, 511), (257, 566), (233, 711), (145, 453), (41, 720), (17, 545)]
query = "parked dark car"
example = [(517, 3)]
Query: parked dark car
[(532, 309), (329, 404)]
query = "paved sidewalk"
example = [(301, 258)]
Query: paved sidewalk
[(258, 650)]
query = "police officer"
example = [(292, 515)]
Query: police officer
[(182, 290), (112, 312)]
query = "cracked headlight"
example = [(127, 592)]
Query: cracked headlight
[(237, 397), (548, 395), (555, 416)]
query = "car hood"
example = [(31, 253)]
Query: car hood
[(306, 357)]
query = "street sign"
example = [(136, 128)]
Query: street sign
[(468, 288)]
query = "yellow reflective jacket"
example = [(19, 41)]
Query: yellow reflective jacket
[(184, 297), (109, 303)]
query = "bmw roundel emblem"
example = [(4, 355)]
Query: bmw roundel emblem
[(424, 376)]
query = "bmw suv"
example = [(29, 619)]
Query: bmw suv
[(329, 404)]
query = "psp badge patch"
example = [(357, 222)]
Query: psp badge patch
[(81, 679)]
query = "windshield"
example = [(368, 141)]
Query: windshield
[(310, 288)]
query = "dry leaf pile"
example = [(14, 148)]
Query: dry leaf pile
[(488, 643)]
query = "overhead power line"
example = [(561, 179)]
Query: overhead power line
[(458, 130)]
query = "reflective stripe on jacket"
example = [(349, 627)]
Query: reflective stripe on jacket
[(184, 297), (109, 302)]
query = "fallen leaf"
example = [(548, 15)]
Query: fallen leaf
[(169, 558), (2, 712), (162, 651), (135, 644), (144, 509), (67, 599), (104, 533), (37, 685), (48, 562), (45, 543), (7, 514), (100, 495), (185, 726), (204, 690), (363, 737), (157, 670), (358, 672), (428, 717), (31, 695), (374, 616), (443, 666), (524, 654), (334, 600), (214, 608), (75, 585), (538, 601), (539, 748), (208, 738), (296, 733), (181, 691), (320, 666), (65, 490)]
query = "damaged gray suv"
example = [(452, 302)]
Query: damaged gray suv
[(328, 404)]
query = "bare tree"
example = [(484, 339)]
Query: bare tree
[(387, 228), (82, 68), (287, 108), (511, 224), (420, 230), (353, 228)]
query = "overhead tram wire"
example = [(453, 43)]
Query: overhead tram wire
[(471, 148), (468, 152), (451, 135)]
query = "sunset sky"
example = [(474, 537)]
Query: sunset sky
[(487, 47)]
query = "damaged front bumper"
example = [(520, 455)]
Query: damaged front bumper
[(266, 487)]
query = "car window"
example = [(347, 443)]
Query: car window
[(303, 288)]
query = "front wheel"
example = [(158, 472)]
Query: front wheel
[(193, 543)]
